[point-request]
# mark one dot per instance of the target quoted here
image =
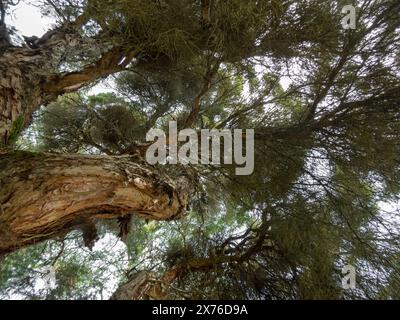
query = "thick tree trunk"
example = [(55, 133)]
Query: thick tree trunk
[(20, 93), (43, 196)]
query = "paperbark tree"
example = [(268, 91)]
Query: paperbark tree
[(326, 153)]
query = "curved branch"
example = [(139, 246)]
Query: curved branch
[(42, 195), (145, 284), (111, 62)]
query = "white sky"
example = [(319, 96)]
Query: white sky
[(28, 20)]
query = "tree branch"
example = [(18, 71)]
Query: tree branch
[(42, 195), (191, 119), (111, 62), (145, 285)]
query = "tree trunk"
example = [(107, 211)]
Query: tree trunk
[(31, 77), (146, 285), (20, 93), (43, 196)]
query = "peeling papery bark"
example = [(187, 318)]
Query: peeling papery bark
[(42, 196)]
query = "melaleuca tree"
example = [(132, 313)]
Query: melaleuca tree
[(323, 101)]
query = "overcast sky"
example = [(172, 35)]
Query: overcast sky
[(28, 20)]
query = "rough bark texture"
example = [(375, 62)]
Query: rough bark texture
[(146, 285), (45, 195), (31, 77), (19, 93), (24, 72)]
